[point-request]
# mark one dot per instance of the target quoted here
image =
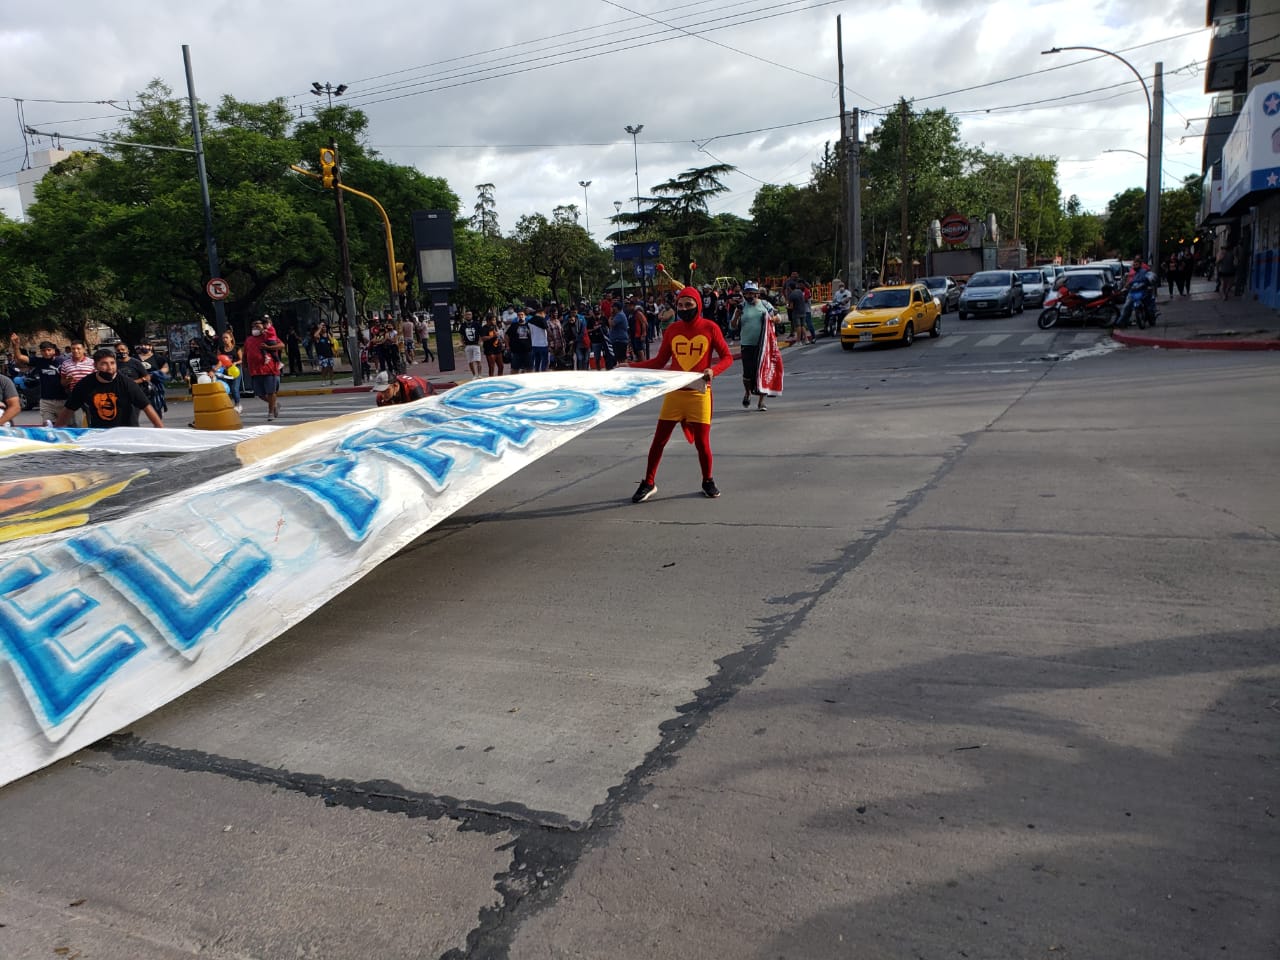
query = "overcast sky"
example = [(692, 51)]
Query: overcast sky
[(533, 97)]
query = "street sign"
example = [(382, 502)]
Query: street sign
[(649, 269), (637, 251), (217, 289)]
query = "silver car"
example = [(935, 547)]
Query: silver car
[(945, 290), (991, 292), (1033, 287)]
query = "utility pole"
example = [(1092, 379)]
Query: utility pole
[(1155, 142), (842, 148), (1017, 203), (211, 244), (906, 244), (856, 254), (349, 294)]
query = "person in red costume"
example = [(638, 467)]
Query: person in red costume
[(687, 344)]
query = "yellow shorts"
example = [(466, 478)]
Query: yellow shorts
[(687, 406)]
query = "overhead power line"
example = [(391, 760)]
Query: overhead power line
[(469, 76)]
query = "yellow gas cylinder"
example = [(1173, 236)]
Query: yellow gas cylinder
[(213, 408)]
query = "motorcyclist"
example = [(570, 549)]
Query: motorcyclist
[(1141, 280)]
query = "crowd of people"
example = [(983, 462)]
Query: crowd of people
[(109, 388)]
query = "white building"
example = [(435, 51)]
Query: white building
[(41, 161)]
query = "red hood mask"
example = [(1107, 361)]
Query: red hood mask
[(692, 292)]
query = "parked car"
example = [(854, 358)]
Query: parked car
[(1033, 287), (892, 313), (945, 289), (991, 292)]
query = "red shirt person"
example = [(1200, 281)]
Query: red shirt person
[(402, 388), (689, 343)]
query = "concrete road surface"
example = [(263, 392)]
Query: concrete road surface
[(976, 656)]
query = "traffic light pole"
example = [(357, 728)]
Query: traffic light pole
[(348, 290)]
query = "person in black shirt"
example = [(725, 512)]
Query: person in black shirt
[(131, 368), (47, 371), (470, 331), (108, 399)]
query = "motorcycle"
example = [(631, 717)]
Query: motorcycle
[(28, 390), (1138, 305), (1067, 305)]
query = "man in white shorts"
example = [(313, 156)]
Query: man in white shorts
[(470, 332)]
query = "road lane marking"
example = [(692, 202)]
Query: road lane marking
[(948, 340), (1037, 338), (993, 340)]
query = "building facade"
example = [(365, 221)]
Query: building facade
[(1241, 154)]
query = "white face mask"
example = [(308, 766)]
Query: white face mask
[(257, 331)]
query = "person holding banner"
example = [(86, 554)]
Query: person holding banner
[(751, 320), (687, 344)]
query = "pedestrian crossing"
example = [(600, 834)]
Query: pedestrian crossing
[(950, 341)]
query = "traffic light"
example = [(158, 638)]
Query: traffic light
[(402, 282), (328, 160)]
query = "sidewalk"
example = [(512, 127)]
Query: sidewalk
[(1204, 321)]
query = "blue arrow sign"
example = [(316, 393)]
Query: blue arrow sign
[(637, 251), (649, 269)]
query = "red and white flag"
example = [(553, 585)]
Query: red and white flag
[(769, 376)]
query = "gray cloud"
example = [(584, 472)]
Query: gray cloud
[(683, 90)]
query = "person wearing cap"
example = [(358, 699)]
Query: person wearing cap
[(688, 344), (749, 319), (401, 388), (107, 398)]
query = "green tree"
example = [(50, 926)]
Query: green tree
[(934, 168), (122, 231), (1125, 220), (556, 249), (677, 215), (484, 218), (1083, 232), (1179, 213), (24, 288)]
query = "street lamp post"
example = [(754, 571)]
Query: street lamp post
[(617, 212), (328, 90), (634, 130), (344, 252), (1153, 147), (586, 209)]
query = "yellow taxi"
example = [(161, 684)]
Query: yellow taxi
[(892, 313)]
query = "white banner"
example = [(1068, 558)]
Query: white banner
[(102, 623)]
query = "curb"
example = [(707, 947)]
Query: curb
[(1135, 340)]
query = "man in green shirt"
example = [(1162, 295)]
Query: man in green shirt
[(749, 320)]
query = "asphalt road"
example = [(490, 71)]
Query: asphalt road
[(976, 656)]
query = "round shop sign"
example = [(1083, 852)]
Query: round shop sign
[(217, 289), (955, 228)]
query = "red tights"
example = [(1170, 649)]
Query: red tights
[(701, 440)]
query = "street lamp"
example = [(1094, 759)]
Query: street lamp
[(328, 90), (635, 146), (1153, 143), (617, 233), (586, 209)]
